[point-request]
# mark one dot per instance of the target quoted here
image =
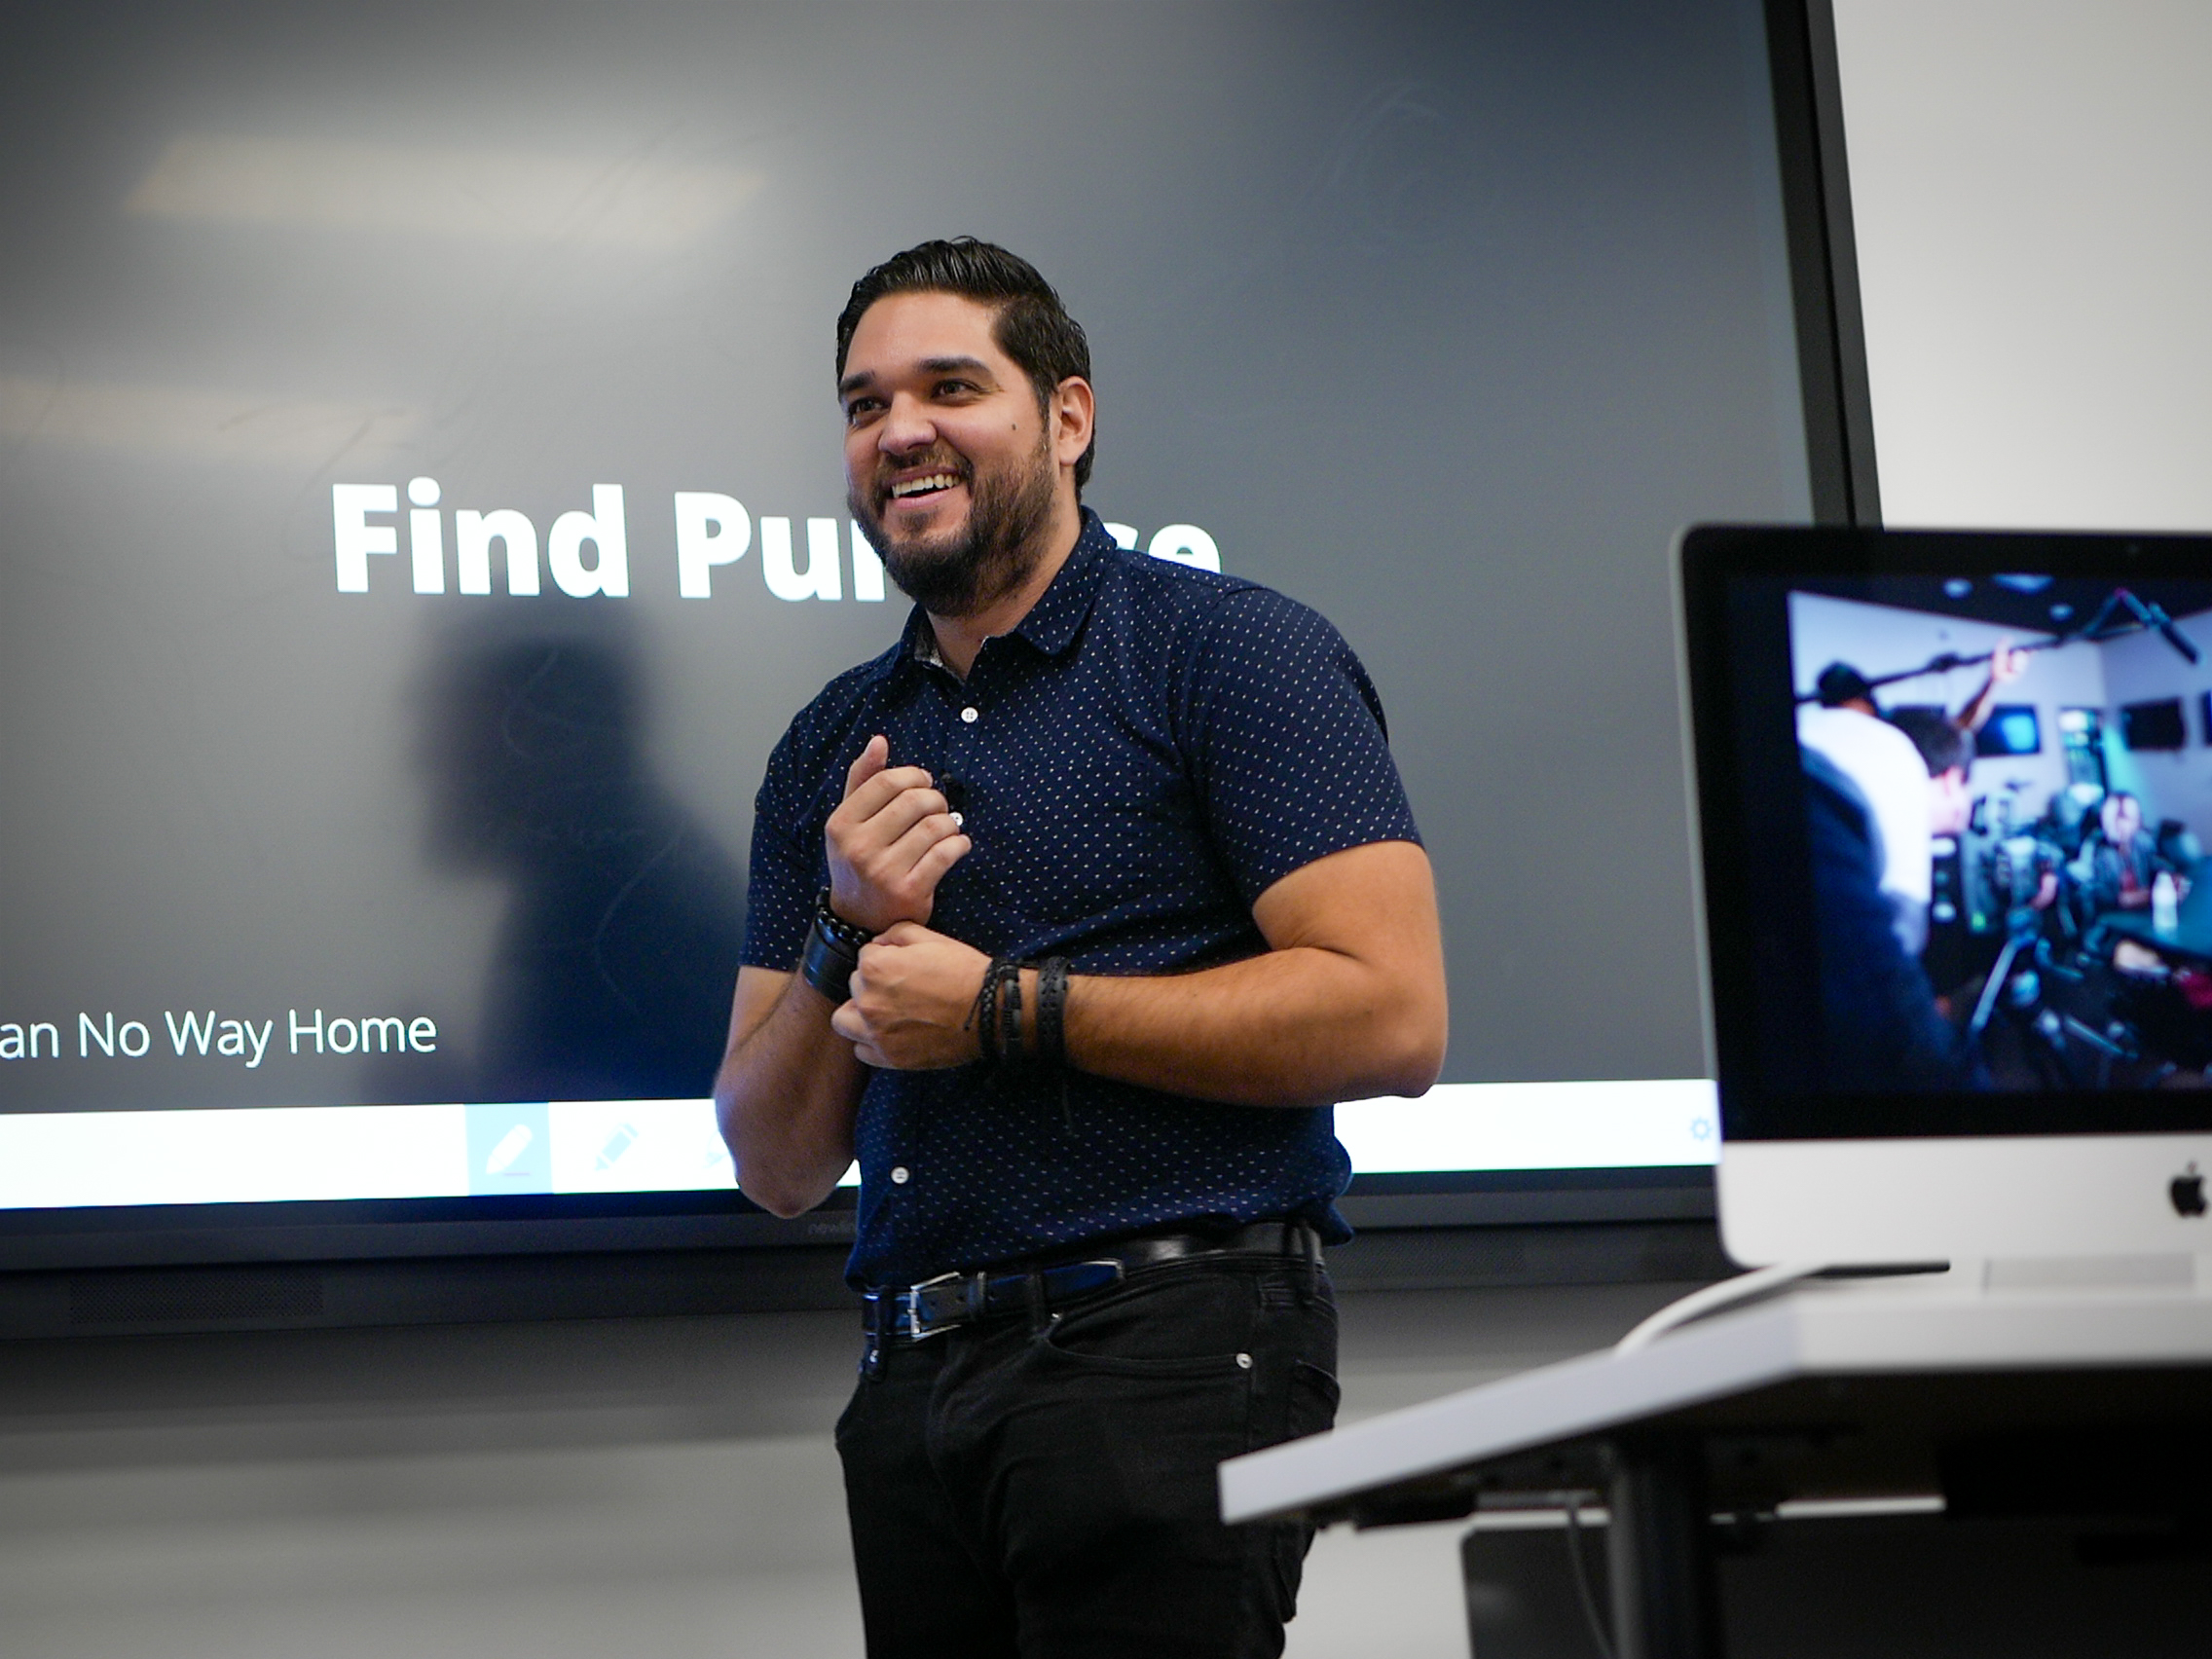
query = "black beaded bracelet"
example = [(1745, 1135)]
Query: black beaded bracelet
[(851, 934)]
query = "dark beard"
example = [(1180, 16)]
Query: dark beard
[(1006, 517)]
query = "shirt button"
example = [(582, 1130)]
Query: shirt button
[(969, 716), (900, 1176)]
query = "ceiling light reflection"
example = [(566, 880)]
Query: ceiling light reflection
[(485, 195), (198, 424)]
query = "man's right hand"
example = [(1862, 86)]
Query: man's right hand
[(890, 842)]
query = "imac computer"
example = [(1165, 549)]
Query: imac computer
[(1959, 915)]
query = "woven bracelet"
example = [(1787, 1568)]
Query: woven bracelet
[(1051, 1011)]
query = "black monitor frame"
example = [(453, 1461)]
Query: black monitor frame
[(1752, 832), (1824, 261)]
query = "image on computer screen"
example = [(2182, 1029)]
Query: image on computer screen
[(2005, 806)]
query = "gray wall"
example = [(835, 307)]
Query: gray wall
[(2028, 185), (568, 1490)]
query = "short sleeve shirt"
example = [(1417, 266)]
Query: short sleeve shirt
[(1145, 755)]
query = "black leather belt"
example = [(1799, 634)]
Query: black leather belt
[(924, 1309)]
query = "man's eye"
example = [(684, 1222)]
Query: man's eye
[(858, 408), (954, 388)]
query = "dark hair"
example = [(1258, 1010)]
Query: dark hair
[(1943, 746), (1840, 684), (1032, 326)]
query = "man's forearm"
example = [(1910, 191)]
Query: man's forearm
[(1346, 1001), (786, 1096), (1975, 715), (1296, 1027)]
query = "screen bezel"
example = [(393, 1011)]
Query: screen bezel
[(1802, 73)]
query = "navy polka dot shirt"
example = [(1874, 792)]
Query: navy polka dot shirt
[(1145, 755)]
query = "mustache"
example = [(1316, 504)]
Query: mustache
[(932, 460)]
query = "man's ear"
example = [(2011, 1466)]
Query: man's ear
[(1073, 410)]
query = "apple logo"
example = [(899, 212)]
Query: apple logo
[(2187, 1189)]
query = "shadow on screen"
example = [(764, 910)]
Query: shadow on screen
[(612, 972)]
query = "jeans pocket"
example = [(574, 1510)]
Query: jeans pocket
[(1296, 1396), (1315, 1396), (1189, 1326), (1082, 1352)]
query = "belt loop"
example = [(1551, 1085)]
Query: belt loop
[(1310, 1247), (1033, 1287)]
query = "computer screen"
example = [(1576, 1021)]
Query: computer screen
[(1931, 934), (2010, 728), (2156, 725), (421, 509)]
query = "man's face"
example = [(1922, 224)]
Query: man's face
[(949, 466), (2122, 818), (1948, 803)]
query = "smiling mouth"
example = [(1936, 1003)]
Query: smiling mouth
[(929, 484)]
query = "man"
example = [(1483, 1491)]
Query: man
[(1847, 728), (2007, 663), (1070, 913), (1879, 1016), (2119, 862), (1946, 756)]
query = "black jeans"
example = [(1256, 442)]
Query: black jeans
[(1042, 1487)]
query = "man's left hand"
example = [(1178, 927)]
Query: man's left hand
[(910, 1001)]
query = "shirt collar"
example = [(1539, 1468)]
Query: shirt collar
[(1052, 622), (1057, 616)]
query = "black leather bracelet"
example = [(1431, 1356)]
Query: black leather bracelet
[(826, 964), (984, 1017), (1009, 1010), (1051, 1011)]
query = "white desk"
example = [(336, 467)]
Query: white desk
[(1884, 1389)]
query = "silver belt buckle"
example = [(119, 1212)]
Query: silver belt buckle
[(910, 1303)]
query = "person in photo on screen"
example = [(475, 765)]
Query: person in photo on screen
[(1946, 754), (2006, 665), (1847, 727), (1882, 1026), (1070, 915), (2119, 862), (1890, 783)]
